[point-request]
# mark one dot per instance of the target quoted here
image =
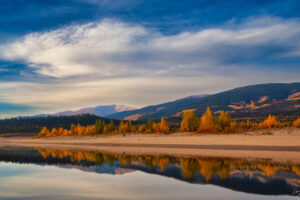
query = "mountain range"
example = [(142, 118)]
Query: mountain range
[(101, 111), (281, 99)]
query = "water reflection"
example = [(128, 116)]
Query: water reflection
[(257, 176)]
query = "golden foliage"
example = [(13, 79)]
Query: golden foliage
[(270, 122), (205, 166), (163, 126), (190, 121), (296, 123), (206, 121), (224, 120)]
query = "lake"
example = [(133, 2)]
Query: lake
[(41, 173)]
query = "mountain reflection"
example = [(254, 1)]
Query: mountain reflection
[(259, 176)]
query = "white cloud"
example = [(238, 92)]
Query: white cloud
[(72, 50), (113, 62), (109, 48)]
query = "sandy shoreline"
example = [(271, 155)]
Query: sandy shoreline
[(282, 145)]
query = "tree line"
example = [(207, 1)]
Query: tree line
[(32, 125), (208, 122), (223, 122), (100, 127)]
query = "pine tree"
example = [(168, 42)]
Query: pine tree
[(99, 126)]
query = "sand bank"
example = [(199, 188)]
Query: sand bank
[(282, 145)]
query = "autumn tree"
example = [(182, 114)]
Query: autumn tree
[(122, 127), (91, 130), (190, 122), (296, 123), (149, 125), (224, 120), (110, 128), (206, 121), (270, 122), (131, 127), (53, 132), (163, 126), (155, 128), (44, 132), (142, 128), (60, 131), (73, 129), (65, 132), (80, 130)]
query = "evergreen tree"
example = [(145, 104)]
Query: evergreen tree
[(99, 126)]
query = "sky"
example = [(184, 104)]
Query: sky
[(58, 55)]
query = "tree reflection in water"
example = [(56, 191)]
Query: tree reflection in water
[(256, 175)]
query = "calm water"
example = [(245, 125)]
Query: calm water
[(60, 174)]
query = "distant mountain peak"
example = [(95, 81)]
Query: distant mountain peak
[(101, 110)]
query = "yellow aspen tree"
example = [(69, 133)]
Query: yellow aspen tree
[(206, 121), (155, 127), (164, 127), (79, 129), (224, 120), (121, 127), (44, 132), (53, 132), (190, 121), (65, 132), (270, 122)]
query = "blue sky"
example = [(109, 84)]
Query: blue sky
[(66, 54)]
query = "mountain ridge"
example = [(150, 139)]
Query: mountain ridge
[(251, 100)]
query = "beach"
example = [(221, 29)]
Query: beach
[(278, 145)]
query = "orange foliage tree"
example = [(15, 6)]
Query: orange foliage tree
[(296, 123), (190, 122), (224, 120), (44, 132), (206, 121), (163, 126), (270, 122)]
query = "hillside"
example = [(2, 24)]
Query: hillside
[(281, 99)]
